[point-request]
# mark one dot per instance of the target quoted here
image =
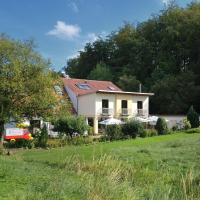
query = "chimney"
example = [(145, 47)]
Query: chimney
[(140, 87), (65, 75)]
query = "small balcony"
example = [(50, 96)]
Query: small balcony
[(107, 111), (125, 112), (141, 112)]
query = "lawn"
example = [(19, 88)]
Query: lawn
[(162, 167)]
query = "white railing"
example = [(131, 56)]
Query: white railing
[(141, 112), (125, 111), (107, 111)]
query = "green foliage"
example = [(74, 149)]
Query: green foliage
[(114, 132), (129, 83), (161, 126), (186, 124), (101, 72), (166, 97), (70, 125), (79, 140), (149, 133), (1, 149), (110, 170), (133, 128), (193, 117), (55, 143), (193, 130), (175, 128), (19, 143), (25, 81), (152, 132), (144, 134), (161, 53), (42, 138)]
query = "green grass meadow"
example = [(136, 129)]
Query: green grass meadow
[(156, 168)]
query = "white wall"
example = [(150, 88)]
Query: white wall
[(91, 105), (100, 97), (173, 119), (86, 105), (145, 100), (72, 97)]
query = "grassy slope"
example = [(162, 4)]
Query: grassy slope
[(165, 167)]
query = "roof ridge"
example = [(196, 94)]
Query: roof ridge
[(89, 80)]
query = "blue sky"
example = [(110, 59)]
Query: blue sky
[(62, 27)]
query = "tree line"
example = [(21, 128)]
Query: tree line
[(162, 53)]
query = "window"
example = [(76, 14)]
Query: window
[(83, 86), (124, 104), (111, 88), (104, 103), (139, 105)]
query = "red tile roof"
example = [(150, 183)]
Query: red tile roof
[(93, 84)]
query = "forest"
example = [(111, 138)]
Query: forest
[(162, 53)]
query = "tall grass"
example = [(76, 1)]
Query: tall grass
[(158, 171)]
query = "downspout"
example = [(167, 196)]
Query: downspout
[(77, 104)]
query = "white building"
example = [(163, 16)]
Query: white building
[(97, 100)]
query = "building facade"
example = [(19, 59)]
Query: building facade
[(99, 100)]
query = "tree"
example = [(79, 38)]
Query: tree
[(161, 126), (71, 124), (161, 53), (173, 94), (129, 83), (42, 137), (193, 117), (101, 72), (132, 128), (25, 81)]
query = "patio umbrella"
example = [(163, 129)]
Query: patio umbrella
[(141, 119), (111, 121)]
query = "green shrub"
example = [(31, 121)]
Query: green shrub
[(79, 140), (175, 128), (161, 126), (1, 148), (70, 125), (186, 124), (193, 130), (90, 130), (54, 143), (19, 143), (144, 134), (41, 137), (149, 133), (133, 128), (193, 117), (114, 132), (152, 132)]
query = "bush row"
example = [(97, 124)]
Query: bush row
[(133, 128)]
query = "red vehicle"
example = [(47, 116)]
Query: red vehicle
[(17, 133)]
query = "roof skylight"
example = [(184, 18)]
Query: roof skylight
[(83, 86), (111, 88)]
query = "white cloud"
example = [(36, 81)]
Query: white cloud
[(74, 7), (92, 37), (166, 1), (65, 31), (74, 55)]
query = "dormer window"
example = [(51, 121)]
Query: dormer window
[(111, 88), (83, 86)]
